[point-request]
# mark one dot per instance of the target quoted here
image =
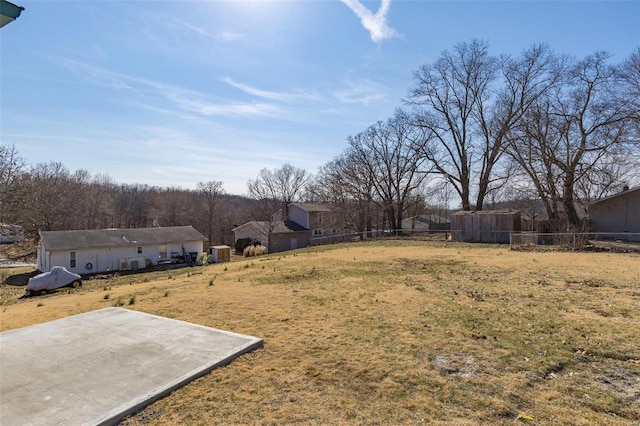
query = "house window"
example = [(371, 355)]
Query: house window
[(139, 249), (72, 259), (162, 251), (319, 217), (317, 232)]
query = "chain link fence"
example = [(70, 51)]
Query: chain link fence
[(575, 240)]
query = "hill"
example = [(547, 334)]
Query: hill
[(395, 332)]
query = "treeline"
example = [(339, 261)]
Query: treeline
[(539, 131), (488, 129), (48, 196)]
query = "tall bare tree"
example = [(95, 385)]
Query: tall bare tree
[(12, 166), (211, 195), (275, 189), (572, 132), (450, 93), (391, 154), (469, 100)]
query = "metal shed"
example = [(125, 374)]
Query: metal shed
[(485, 226)]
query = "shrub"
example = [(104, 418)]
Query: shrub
[(252, 250), (242, 243)]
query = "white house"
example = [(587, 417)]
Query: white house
[(104, 250)]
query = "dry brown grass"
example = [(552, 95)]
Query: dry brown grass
[(396, 332)]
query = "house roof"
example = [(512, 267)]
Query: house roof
[(70, 240), (428, 219), (315, 207), (486, 212), (286, 226), (619, 194), (279, 227)]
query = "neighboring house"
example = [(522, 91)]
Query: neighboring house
[(104, 250), (285, 235), (425, 223), (322, 220), (296, 225), (619, 214), (485, 226), (11, 233)]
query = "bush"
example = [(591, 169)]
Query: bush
[(252, 250), (242, 243)]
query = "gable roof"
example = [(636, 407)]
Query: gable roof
[(69, 240), (619, 194), (428, 219), (486, 212), (315, 207), (279, 227)]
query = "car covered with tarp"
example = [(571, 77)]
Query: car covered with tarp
[(57, 277)]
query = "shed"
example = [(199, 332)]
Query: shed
[(220, 253), (485, 226), (618, 215)]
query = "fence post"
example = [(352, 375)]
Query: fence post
[(574, 242)]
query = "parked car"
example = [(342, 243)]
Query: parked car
[(56, 278)]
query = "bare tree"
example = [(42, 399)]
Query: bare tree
[(345, 182), (391, 155), (134, 205), (275, 189), (211, 196), (12, 168), (571, 133), (449, 93), (469, 101)]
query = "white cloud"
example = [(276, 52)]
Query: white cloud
[(375, 24), (230, 36), (149, 92), (274, 96), (363, 92)]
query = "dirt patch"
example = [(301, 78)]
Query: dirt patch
[(461, 365), (622, 382)]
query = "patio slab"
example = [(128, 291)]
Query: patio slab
[(98, 367)]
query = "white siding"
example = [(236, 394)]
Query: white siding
[(107, 259), (299, 216)]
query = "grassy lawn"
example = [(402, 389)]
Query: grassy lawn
[(394, 332)]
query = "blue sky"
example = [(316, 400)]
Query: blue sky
[(171, 93)]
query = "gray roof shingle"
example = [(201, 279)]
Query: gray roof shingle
[(69, 240)]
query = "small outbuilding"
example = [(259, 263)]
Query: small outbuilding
[(485, 226), (220, 253), (617, 215), (105, 250)]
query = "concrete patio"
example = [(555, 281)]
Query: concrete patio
[(98, 367)]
